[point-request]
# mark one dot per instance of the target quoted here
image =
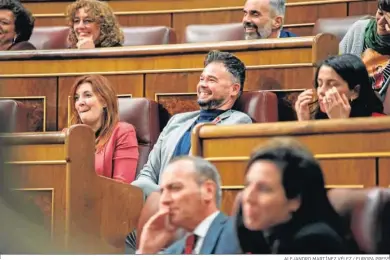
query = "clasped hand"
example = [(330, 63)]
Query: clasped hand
[(336, 105), (85, 43)]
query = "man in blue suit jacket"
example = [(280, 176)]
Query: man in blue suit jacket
[(220, 238), (190, 195)]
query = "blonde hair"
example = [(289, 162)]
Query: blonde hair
[(110, 31), (101, 87)]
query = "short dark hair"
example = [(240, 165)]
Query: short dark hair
[(302, 178), (384, 5), (232, 64), (353, 71), (24, 21)]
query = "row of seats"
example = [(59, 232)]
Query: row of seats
[(234, 32), (366, 212), (144, 115), (47, 38), (14, 116), (56, 37)]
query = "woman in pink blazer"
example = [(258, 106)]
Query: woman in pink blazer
[(96, 105)]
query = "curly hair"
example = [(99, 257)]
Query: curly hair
[(110, 31), (24, 21)]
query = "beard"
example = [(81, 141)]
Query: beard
[(210, 104), (262, 33)]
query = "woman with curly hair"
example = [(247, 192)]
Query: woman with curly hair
[(16, 26), (93, 25)]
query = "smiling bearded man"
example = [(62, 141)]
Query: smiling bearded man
[(220, 85), (263, 19)]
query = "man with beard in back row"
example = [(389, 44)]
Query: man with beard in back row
[(264, 19), (220, 85)]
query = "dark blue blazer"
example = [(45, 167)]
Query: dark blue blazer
[(287, 34), (221, 238)]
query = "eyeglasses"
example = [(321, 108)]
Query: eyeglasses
[(85, 21)]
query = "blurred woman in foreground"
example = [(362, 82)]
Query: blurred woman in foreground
[(285, 208)]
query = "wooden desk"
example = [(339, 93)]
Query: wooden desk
[(52, 179), (50, 7), (354, 153), (300, 15), (167, 74), (59, 7)]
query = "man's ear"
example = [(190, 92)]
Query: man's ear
[(236, 89), (277, 22), (208, 190)]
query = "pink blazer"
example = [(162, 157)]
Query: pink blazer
[(118, 159)]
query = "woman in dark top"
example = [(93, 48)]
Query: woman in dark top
[(16, 26), (93, 25), (342, 89), (284, 207)]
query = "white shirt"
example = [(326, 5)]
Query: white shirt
[(201, 231), (280, 31)]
